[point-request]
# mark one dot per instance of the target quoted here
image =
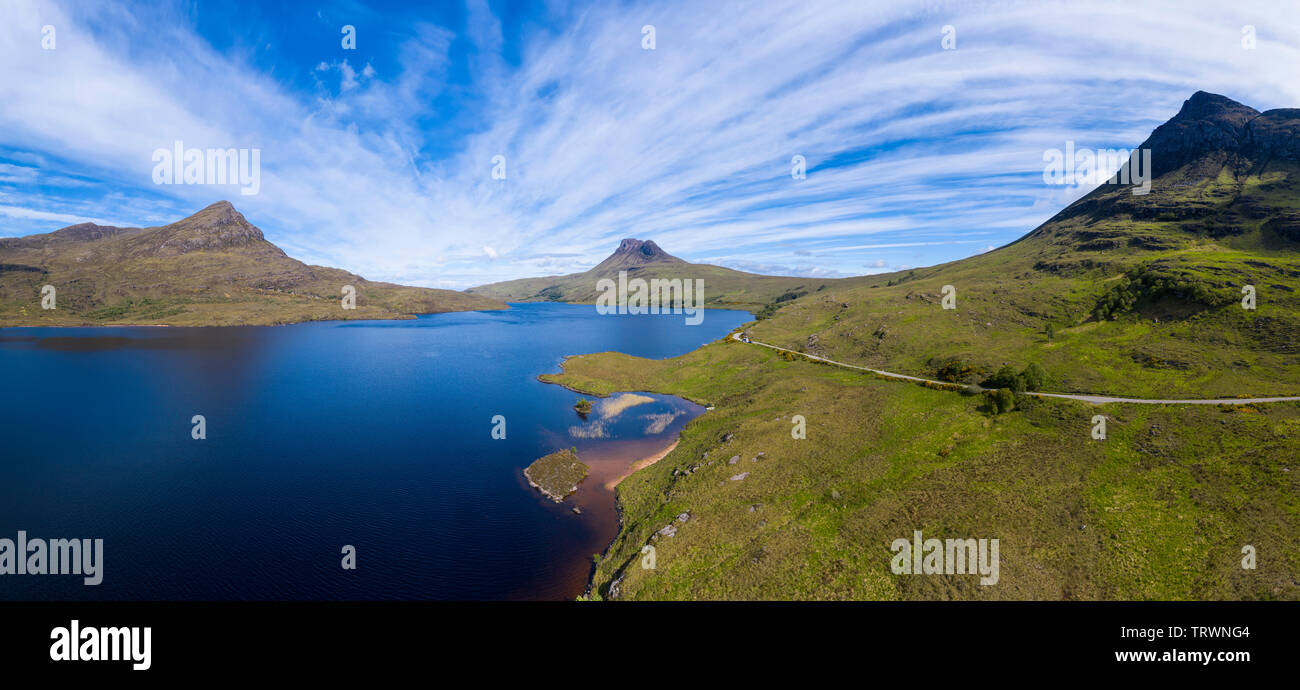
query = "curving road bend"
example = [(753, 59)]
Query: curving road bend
[(1093, 399)]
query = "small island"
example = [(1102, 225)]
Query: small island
[(583, 407), (556, 475)]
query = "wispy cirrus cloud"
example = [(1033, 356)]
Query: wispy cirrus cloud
[(379, 159)]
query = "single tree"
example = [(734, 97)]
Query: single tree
[(1035, 376), (1006, 400)]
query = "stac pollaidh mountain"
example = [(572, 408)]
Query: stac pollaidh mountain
[(724, 287)]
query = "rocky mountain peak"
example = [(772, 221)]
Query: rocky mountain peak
[(1207, 122), (1211, 107), (218, 226), (646, 249), (1210, 136), (216, 215), (632, 253)]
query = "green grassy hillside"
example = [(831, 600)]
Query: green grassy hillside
[(1145, 323), (1159, 510), (1136, 295)]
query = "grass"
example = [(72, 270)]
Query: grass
[(1160, 510), (1169, 346), (1122, 295), (244, 307), (1135, 296)]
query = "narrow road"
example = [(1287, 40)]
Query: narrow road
[(1094, 399)]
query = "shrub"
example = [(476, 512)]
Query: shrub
[(1003, 400), (956, 370), (1035, 376), (1006, 377), (1032, 378), (1148, 283), (789, 295)]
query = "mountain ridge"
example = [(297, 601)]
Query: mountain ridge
[(634, 253), (213, 267), (725, 288)]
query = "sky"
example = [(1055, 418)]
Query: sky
[(923, 126)]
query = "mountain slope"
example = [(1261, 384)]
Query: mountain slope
[(1118, 294), (212, 268), (1223, 172), (723, 287)]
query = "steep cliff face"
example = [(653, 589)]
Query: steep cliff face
[(1206, 123), (1274, 134), (1210, 124), (1220, 169)]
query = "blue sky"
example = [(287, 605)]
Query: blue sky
[(379, 159)]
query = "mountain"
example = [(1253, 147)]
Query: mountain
[(1118, 293), (212, 268), (723, 287), (633, 254), (1222, 171)]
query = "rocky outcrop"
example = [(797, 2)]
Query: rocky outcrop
[(632, 253), (1207, 122), (216, 227), (1209, 136), (1274, 134)]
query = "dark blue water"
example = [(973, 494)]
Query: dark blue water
[(374, 434)]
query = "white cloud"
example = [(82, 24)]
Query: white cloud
[(908, 146), (35, 214), (800, 270)]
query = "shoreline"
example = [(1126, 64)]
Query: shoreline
[(602, 502), (394, 317), (599, 499), (643, 463)]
